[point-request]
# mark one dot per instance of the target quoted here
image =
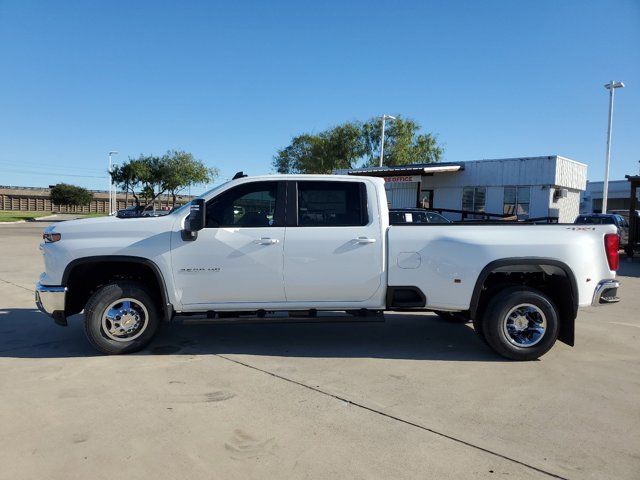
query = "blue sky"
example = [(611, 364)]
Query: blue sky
[(233, 81)]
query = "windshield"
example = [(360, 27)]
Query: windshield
[(186, 206), (181, 208)]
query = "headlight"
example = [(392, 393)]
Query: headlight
[(50, 237)]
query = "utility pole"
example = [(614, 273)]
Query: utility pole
[(384, 118), (112, 188), (605, 187)]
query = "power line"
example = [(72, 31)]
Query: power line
[(57, 166), (27, 168), (54, 174)]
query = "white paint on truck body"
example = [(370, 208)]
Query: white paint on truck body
[(460, 252), (324, 267)]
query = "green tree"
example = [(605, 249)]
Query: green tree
[(129, 177), (70, 195), (155, 171), (298, 155), (149, 176), (403, 144), (338, 147), (182, 170), (354, 144)]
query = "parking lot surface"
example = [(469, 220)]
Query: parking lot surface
[(412, 397)]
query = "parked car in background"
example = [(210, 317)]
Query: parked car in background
[(403, 216), (607, 219), (625, 214), (130, 212), (140, 211)]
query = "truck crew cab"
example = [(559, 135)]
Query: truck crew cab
[(314, 243)]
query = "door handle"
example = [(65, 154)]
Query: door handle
[(266, 241), (364, 240)]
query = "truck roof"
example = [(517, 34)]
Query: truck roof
[(304, 176)]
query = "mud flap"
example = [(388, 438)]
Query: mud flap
[(567, 331)]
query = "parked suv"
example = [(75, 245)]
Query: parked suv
[(607, 219)]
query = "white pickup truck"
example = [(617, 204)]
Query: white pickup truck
[(308, 244)]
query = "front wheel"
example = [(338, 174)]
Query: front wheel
[(521, 323), (120, 318)]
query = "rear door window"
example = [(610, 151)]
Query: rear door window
[(332, 204)]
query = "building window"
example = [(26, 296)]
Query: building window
[(473, 199), (426, 199), (516, 201)]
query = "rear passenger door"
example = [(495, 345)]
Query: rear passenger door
[(333, 246)]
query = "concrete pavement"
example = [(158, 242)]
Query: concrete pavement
[(413, 397)]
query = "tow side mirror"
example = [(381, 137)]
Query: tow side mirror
[(196, 220)]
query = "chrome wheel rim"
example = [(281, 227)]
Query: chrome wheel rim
[(125, 320), (525, 325)]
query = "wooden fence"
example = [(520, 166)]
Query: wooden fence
[(28, 199)]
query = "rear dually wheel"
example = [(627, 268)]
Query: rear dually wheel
[(520, 323)]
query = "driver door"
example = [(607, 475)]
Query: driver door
[(238, 257)]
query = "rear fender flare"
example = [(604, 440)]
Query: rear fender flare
[(567, 324)]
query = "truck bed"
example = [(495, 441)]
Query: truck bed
[(445, 261)]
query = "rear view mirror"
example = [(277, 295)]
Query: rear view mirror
[(196, 220)]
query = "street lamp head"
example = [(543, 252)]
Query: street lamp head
[(613, 84), (388, 116), (113, 153)]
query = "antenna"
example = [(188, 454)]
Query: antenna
[(240, 174)]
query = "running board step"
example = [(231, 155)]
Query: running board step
[(278, 317)]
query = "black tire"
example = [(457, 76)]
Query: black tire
[(477, 327), (101, 300), (495, 318), (451, 317)]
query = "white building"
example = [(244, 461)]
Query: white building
[(530, 187), (618, 197)]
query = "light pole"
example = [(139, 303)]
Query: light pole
[(605, 187), (384, 118), (112, 193)]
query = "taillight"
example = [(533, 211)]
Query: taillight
[(611, 246)]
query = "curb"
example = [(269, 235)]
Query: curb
[(25, 221)]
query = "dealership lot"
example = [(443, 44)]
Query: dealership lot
[(413, 397)]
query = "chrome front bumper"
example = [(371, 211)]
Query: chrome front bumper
[(51, 300), (606, 292)]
